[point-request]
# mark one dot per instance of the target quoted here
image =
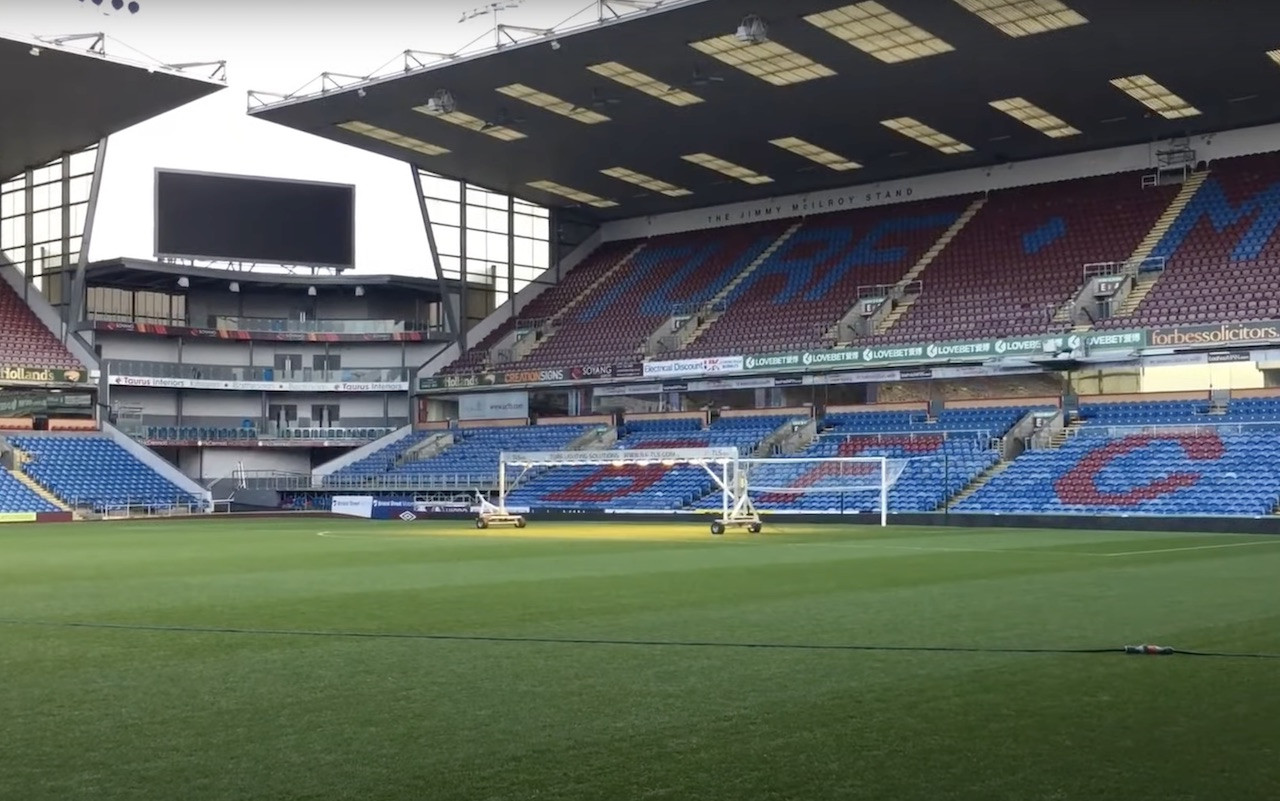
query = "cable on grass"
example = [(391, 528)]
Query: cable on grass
[(530, 640)]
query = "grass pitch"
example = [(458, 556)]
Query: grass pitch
[(227, 660)]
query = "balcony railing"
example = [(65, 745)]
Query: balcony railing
[(277, 325), (220, 372), (268, 480)]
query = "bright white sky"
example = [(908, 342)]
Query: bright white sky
[(276, 46)]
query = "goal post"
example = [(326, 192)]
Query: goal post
[(513, 466), (816, 485)]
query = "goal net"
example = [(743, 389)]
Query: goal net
[(830, 485)]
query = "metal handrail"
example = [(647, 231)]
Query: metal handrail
[(221, 372)]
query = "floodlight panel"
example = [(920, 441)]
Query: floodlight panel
[(646, 182), (1019, 18), (816, 154), (527, 94), (879, 32), (463, 120), (769, 61), (727, 168), (634, 79), (926, 135), (1155, 96), (393, 138), (570, 193), (1031, 115), (1274, 55)]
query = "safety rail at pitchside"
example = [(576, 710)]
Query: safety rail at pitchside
[(1174, 429)]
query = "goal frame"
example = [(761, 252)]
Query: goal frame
[(719, 463), (743, 487), (727, 468)]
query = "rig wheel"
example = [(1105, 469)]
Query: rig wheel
[(521, 522), (717, 528), (481, 523)]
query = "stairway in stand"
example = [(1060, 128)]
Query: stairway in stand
[(932, 253), (550, 325), (30, 483), (1145, 281), (716, 301), (979, 481)]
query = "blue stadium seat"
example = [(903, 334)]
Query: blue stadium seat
[(96, 472)]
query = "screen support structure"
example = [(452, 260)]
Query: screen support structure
[(719, 463)]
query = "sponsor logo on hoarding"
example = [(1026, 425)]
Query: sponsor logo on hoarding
[(41, 375), (1225, 334)]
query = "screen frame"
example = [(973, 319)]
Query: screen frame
[(155, 218)]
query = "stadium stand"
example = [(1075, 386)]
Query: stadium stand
[(1149, 458), (1223, 240), (610, 323), (471, 456), (26, 341), (1022, 257), (650, 487), (817, 273), (946, 454), (550, 302), (16, 496), (94, 472)]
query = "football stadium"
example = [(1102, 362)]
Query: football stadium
[(803, 400)]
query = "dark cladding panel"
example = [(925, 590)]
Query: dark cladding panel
[(242, 218)]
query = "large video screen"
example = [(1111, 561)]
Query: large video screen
[(242, 218)]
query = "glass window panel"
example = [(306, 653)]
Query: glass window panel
[(524, 251), (451, 266), (448, 240), (441, 188), (496, 221), (444, 213), (496, 247), (523, 225)]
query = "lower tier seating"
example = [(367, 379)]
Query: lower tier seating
[(937, 460), (18, 497), (474, 453), (95, 472), (1197, 474), (650, 487)]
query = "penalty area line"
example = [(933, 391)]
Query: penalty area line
[(1194, 548)]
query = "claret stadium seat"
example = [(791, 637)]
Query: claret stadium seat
[(1222, 257), (1022, 257), (26, 341)]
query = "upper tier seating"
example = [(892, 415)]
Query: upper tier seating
[(18, 497), (546, 303), (816, 275), (1022, 256), (1121, 462), (95, 472), (650, 487), (611, 323), (1222, 258), (24, 339)]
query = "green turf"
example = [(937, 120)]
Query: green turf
[(128, 713)]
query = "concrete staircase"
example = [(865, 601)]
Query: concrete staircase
[(1145, 282), (30, 483), (553, 320), (1067, 432), (979, 481), (888, 321), (716, 304)]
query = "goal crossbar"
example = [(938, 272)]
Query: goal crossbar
[(719, 463)]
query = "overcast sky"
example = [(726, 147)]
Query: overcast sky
[(277, 46)]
